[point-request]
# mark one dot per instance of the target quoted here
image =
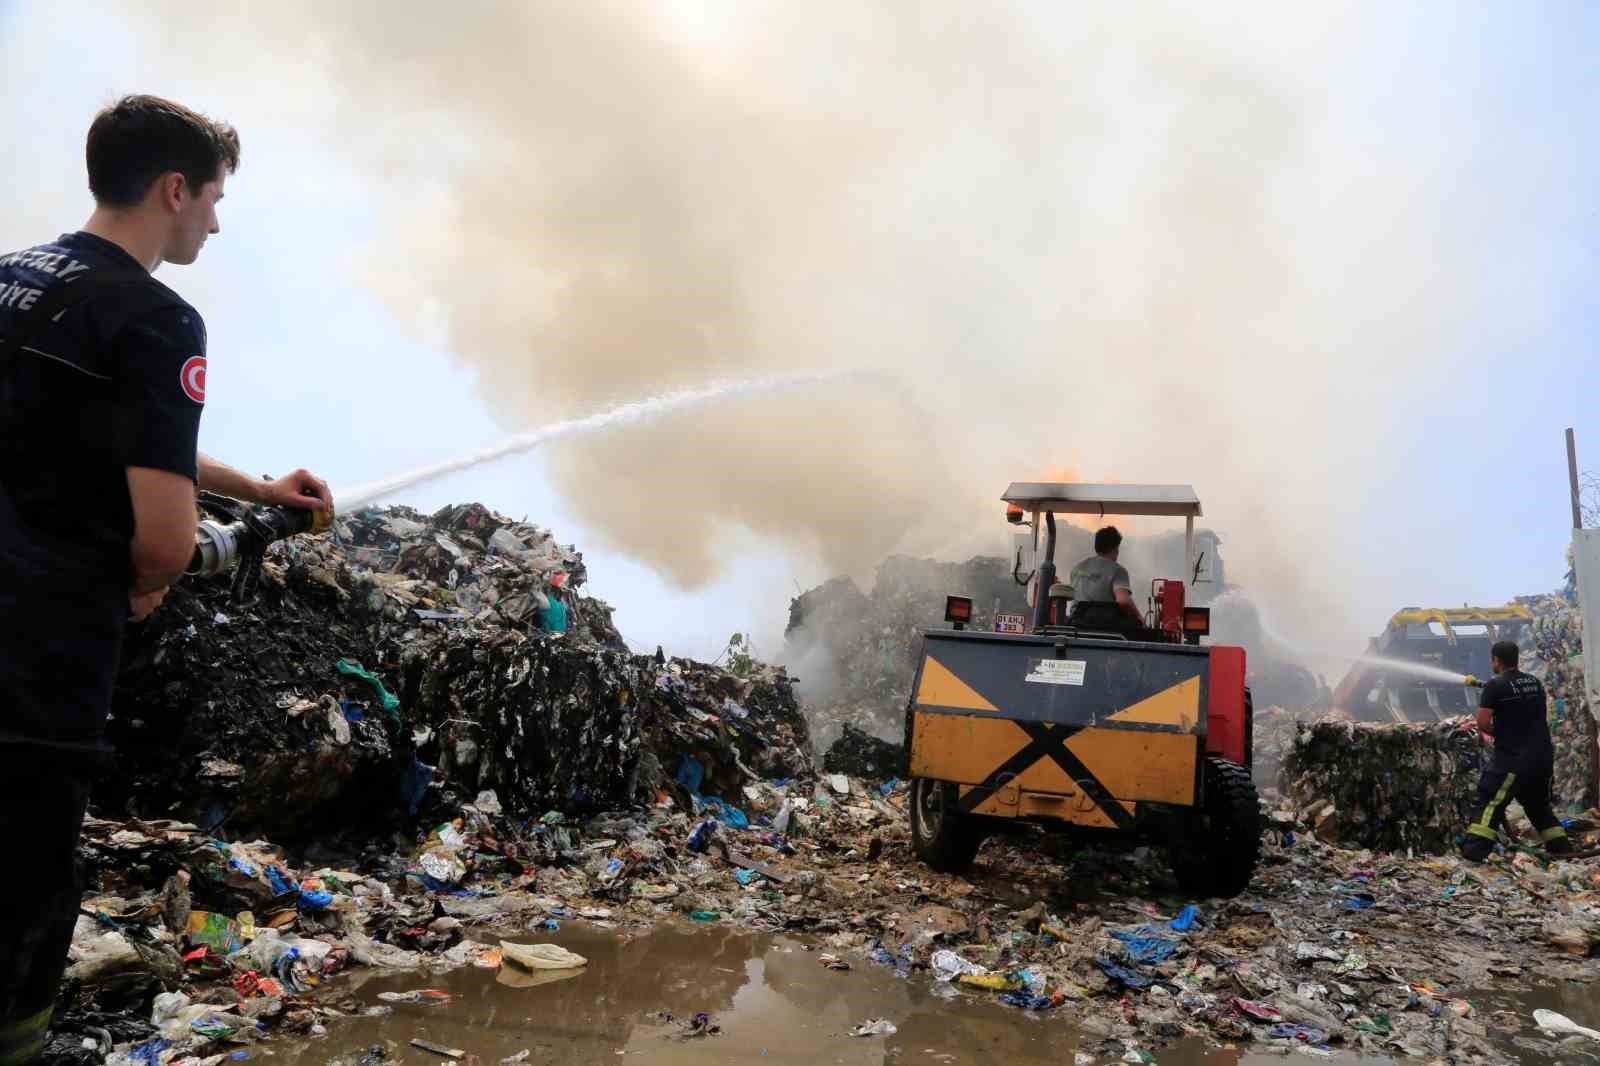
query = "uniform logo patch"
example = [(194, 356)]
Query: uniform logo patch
[(193, 378)]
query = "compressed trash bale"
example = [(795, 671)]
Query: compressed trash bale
[(196, 718), (1386, 787), (547, 725)]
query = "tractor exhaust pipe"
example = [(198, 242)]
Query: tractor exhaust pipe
[(1047, 575)]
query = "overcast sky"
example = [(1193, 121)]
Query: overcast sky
[(1421, 457)]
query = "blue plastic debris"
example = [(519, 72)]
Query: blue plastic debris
[(1304, 1034), (1126, 976), (701, 837), (282, 883), (312, 900), (691, 774), (884, 957), (413, 784), (1359, 902), (1027, 1001), (149, 1051), (725, 811), (747, 877), (1145, 946), (1185, 919)]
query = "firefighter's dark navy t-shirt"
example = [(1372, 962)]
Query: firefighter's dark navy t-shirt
[(117, 379), (1521, 733)]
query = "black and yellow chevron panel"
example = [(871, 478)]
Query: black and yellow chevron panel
[(1080, 732)]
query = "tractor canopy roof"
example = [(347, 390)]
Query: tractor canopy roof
[(1063, 498)]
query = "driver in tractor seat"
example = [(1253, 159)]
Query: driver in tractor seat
[(1102, 592)]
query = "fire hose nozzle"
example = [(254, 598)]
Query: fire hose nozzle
[(1472, 682), (220, 545), (216, 547)]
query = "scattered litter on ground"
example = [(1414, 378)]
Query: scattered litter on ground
[(529, 779)]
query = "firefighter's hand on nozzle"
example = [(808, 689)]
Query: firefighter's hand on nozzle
[(140, 607), (1472, 682), (301, 489)]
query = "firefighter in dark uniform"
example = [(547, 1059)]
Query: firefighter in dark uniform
[(102, 381), (1512, 712)]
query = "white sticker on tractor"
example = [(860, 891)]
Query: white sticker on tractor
[(1058, 672)]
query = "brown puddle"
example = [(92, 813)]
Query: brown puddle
[(775, 1004)]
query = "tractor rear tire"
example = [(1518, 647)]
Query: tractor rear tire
[(1223, 844), (944, 839)]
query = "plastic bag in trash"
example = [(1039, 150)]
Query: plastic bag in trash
[(1551, 1022), (167, 1005), (947, 966), (541, 956), (442, 864)]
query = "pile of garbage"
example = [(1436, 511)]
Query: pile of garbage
[(1273, 735), (1555, 641), (402, 664), (856, 654), (463, 563)]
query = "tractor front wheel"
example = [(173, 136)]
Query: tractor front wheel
[(1223, 843), (942, 837)]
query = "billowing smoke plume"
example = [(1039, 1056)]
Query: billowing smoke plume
[(1121, 240)]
